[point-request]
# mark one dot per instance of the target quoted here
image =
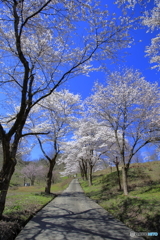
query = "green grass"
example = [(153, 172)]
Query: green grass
[(23, 202), (140, 210), (58, 187)]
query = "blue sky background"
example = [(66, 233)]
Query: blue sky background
[(135, 59)]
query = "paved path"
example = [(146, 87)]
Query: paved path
[(73, 216)]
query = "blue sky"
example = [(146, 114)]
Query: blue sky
[(135, 59)]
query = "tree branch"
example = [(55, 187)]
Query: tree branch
[(34, 134), (33, 15), (41, 147)]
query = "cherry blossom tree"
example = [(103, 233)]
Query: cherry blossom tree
[(152, 21), (130, 106), (69, 158), (31, 171), (42, 46), (90, 143), (55, 115), (113, 158)]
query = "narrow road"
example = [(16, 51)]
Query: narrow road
[(73, 216)]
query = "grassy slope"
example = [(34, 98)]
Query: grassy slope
[(30, 199), (141, 209)]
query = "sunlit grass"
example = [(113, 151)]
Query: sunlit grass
[(58, 187), (24, 202)]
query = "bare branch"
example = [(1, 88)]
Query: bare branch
[(34, 134)]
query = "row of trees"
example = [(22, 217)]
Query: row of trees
[(42, 47), (47, 126), (122, 116), (109, 127)]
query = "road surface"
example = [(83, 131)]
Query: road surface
[(73, 216)]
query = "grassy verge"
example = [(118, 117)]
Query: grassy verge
[(141, 209), (23, 203), (59, 187)]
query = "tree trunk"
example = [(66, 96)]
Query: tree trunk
[(49, 175), (5, 177), (85, 170), (24, 181), (90, 175), (124, 178), (118, 174), (32, 181), (81, 171)]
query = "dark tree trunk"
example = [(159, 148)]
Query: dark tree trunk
[(49, 175), (24, 181), (124, 178), (118, 174), (10, 143), (116, 162), (5, 177), (81, 170), (32, 181), (85, 170), (90, 174)]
